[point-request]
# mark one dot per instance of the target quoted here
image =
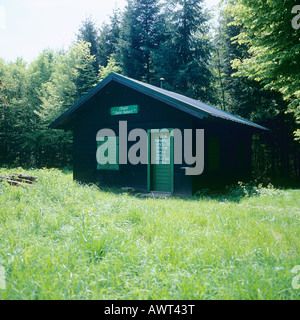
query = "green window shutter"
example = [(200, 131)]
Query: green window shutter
[(113, 160)]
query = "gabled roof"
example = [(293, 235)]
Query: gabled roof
[(191, 106)]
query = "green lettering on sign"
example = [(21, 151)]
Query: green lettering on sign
[(116, 111)]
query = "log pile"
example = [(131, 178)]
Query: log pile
[(19, 179)]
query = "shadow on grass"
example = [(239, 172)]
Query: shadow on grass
[(233, 193)]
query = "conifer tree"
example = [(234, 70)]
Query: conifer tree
[(183, 58), (88, 32), (109, 37), (140, 36)]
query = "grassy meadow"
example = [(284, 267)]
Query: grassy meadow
[(63, 240)]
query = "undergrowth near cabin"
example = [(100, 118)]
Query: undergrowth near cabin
[(63, 240)]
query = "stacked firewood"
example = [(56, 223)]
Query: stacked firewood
[(19, 179)]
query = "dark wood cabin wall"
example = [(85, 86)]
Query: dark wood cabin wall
[(153, 114), (229, 172)]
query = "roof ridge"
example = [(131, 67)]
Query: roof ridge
[(170, 93), (187, 104)]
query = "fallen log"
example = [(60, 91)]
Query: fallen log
[(14, 183), (19, 179), (23, 180), (25, 177)]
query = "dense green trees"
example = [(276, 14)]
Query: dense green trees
[(242, 94), (88, 32), (141, 34), (18, 114), (36, 95), (274, 47), (183, 58), (248, 66), (169, 40), (109, 35)]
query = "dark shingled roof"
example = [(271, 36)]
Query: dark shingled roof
[(192, 106)]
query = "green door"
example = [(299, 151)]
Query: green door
[(161, 167)]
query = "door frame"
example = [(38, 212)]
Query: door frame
[(149, 158)]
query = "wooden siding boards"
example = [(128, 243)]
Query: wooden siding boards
[(156, 111), (153, 115)]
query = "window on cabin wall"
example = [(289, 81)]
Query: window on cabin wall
[(213, 153), (109, 153)]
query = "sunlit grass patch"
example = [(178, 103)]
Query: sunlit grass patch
[(63, 240)]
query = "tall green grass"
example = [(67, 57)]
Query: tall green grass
[(63, 240)]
